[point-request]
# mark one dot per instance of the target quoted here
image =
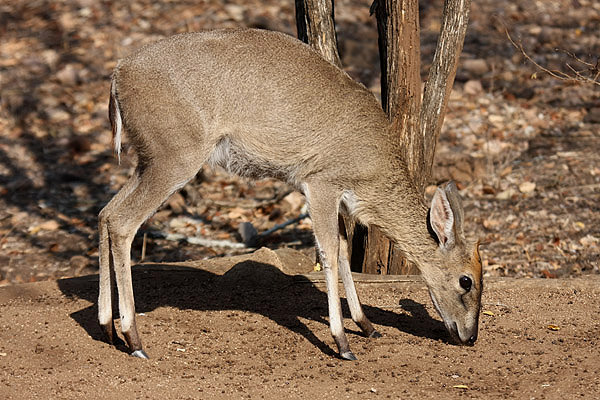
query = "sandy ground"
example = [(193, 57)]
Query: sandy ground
[(252, 327)]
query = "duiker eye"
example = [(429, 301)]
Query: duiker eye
[(465, 282)]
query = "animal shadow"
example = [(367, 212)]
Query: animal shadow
[(248, 286)]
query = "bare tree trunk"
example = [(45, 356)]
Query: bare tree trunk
[(455, 18), (316, 26), (400, 57)]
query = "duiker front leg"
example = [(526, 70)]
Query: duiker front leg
[(358, 316), (323, 206)]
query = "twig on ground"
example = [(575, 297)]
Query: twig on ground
[(251, 237), (497, 305), (198, 240)]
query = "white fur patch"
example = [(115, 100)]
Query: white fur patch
[(442, 219), (350, 201)]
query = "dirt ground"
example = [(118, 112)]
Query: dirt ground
[(245, 329)]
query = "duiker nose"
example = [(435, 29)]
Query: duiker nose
[(472, 339)]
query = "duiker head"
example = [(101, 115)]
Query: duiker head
[(454, 276)]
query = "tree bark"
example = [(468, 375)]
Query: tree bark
[(455, 19), (400, 58), (316, 26)]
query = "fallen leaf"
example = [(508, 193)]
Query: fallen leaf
[(460, 387), (295, 200), (51, 225), (506, 171), (553, 327), (491, 223), (527, 187), (317, 267), (488, 190), (506, 194), (588, 240), (237, 212), (176, 202), (547, 274), (491, 314), (473, 87)]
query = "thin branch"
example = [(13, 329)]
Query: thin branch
[(455, 18), (577, 77)]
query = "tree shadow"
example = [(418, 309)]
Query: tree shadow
[(249, 286)]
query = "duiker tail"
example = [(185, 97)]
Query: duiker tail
[(116, 123)]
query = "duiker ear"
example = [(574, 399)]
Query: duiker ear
[(446, 216)]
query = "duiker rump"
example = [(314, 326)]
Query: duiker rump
[(263, 104)]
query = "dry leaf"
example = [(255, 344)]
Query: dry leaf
[(237, 212), (51, 225), (317, 267), (176, 202), (527, 187), (553, 327), (491, 314), (295, 200), (491, 223), (473, 87), (460, 387), (588, 240), (488, 189), (506, 194)]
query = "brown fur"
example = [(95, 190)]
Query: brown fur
[(260, 103)]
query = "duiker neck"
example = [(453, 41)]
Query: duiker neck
[(401, 214)]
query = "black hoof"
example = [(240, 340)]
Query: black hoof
[(348, 355), (110, 333), (375, 334)]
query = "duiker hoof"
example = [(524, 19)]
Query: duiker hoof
[(140, 354), (375, 334), (349, 356)]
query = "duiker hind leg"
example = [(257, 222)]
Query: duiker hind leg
[(119, 221), (358, 316), (107, 292), (323, 209)]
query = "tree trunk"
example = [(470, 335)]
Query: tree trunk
[(316, 26), (455, 18), (400, 58)]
